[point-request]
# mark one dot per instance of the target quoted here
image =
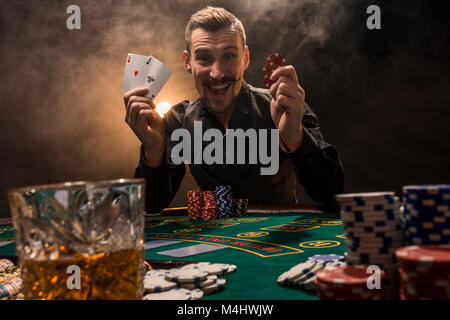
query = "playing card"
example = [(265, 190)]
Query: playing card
[(157, 77), (136, 70), (145, 71), (159, 243), (192, 250)]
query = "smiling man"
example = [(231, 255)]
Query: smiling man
[(217, 56)]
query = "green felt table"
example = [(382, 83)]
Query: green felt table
[(262, 245)]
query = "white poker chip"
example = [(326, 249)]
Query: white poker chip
[(210, 268), (156, 273), (220, 284), (210, 280), (294, 272), (186, 275), (196, 294), (368, 195), (218, 269), (158, 284), (174, 294), (231, 268)]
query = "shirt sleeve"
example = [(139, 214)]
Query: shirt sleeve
[(162, 182), (317, 163)]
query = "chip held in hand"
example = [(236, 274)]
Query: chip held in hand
[(273, 61)]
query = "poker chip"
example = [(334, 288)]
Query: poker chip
[(174, 294), (158, 283), (325, 258), (196, 294), (272, 63), (10, 287), (303, 274), (224, 201), (369, 196), (209, 268), (195, 204), (217, 269), (347, 282), (240, 207), (210, 280), (209, 213), (186, 275), (427, 214), (424, 272), (218, 285), (374, 230), (6, 265)]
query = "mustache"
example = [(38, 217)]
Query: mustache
[(227, 79)]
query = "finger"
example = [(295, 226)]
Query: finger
[(288, 71), (283, 79), (284, 102), (139, 99), (134, 111), (136, 99), (134, 92), (146, 118)]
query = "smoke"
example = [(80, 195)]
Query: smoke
[(62, 113)]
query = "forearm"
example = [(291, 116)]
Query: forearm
[(318, 168), (162, 183)]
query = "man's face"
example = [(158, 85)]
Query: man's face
[(217, 59)]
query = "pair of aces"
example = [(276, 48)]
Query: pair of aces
[(145, 71)]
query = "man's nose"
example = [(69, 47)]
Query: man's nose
[(216, 71)]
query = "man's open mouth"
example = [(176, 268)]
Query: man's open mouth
[(218, 89)]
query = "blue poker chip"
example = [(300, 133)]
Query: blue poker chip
[(427, 189), (326, 258), (358, 197)]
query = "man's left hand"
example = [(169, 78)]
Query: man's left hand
[(286, 107)]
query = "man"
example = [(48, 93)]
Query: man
[(216, 55)]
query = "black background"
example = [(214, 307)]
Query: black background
[(382, 96)]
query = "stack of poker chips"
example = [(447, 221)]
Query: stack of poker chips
[(209, 210), (240, 207), (224, 201), (347, 283), (195, 204), (190, 282), (427, 214), (424, 272), (373, 232), (10, 281), (303, 274)]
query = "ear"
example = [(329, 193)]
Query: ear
[(187, 61), (246, 57)]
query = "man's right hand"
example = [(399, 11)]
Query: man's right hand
[(146, 124)]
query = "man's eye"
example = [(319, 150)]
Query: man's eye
[(203, 58), (230, 56)]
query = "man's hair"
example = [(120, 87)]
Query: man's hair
[(213, 19)]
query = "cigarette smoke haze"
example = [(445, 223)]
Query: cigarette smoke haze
[(62, 113)]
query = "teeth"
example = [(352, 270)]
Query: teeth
[(219, 87)]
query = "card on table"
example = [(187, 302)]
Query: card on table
[(159, 243), (145, 71), (192, 250)]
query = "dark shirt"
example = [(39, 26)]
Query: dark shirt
[(315, 164)]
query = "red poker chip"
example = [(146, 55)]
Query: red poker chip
[(273, 62), (345, 275), (424, 258)]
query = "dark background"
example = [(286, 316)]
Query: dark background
[(382, 96)]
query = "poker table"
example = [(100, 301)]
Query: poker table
[(264, 244)]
